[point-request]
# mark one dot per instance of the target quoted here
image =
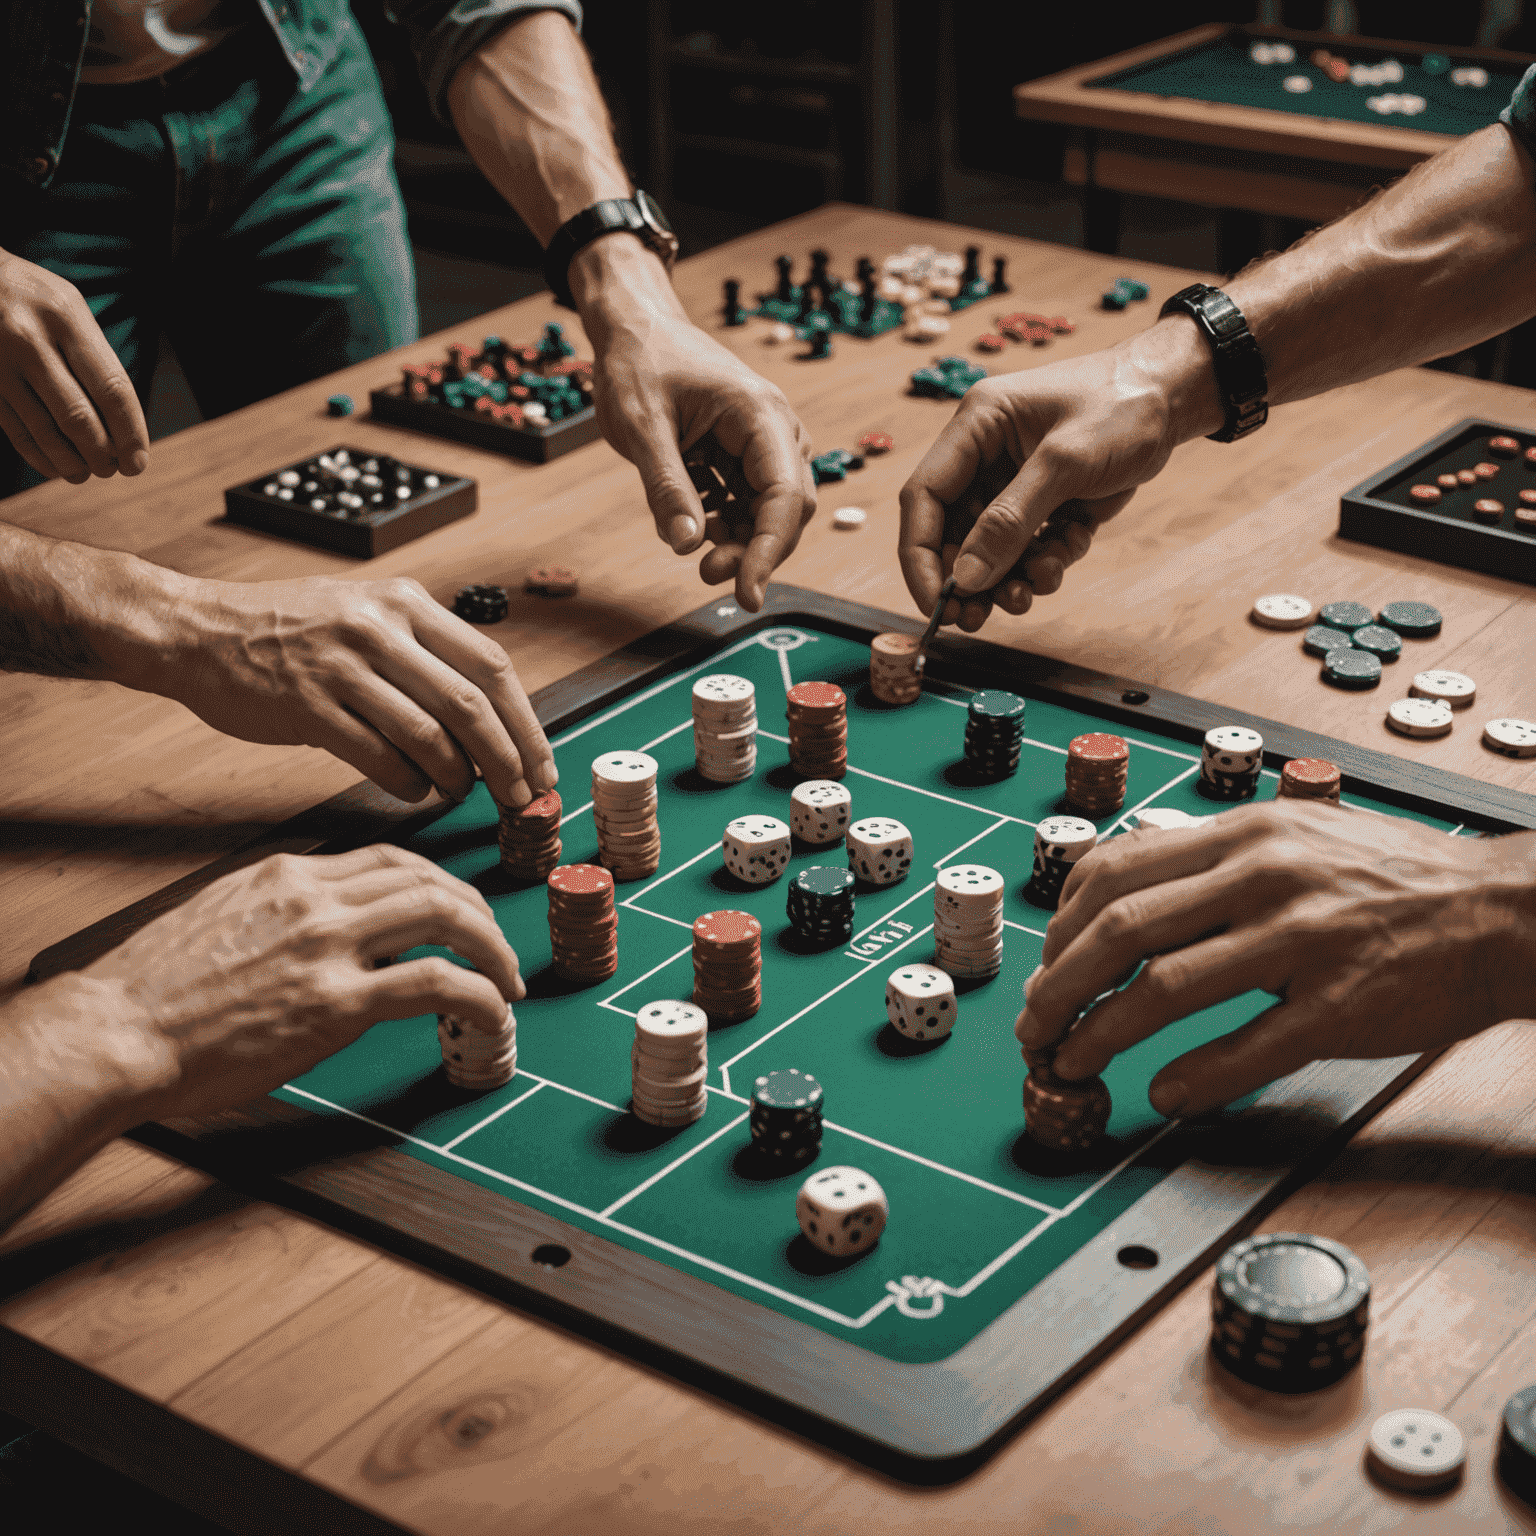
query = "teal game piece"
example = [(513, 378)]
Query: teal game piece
[(948, 377), (340, 405)]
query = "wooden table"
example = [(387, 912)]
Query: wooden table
[(277, 1375), (1236, 158)]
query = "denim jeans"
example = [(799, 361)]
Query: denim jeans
[(259, 227)]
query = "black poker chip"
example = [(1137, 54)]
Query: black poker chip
[(1383, 643), (1346, 616), (481, 604), (1352, 669), (1517, 1444), (1320, 639)]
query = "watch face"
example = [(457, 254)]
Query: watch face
[(650, 211)]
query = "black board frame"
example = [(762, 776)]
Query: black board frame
[(924, 1423)]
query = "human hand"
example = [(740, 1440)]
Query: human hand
[(1032, 463), (66, 402), (374, 672), (272, 969), (1379, 936), (661, 384)]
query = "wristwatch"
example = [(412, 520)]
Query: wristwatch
[(1240, 377), (639, 215)]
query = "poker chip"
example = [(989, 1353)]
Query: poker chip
[(819, 810), (1421, 717), (725, 728), (848, 518), (1503, 447), (1510, 738), (1231, 762), (1486, 509), (1466, 477), (818, 730), (727, 965), (1060, 841), (1416, 1450), (552, 581), (893, 674), (1297, 84), (1351, 669), (583, 924), (1282, 610), (1346, 616), (994, 732), (1096, 770), (1064, 1116), (624, 802), (1413, 621), (473, 1059), (483, 604), (1456, 688), (820, 904), (968, 920), (1425, 495), (1486, 470), (1164, 818), (1517, 1444), (529, 839), (1289, 1311), (786, 1116), (1309, 778), (1383, 643), (876, 443), (669, 1062), (1320, 639)]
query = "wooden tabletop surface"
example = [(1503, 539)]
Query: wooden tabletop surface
[(279, 1375)]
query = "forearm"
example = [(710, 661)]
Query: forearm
[(73, 1075)]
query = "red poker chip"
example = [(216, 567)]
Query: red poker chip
[(1504, 447), (1310, 770), (987, 342), (580, 880), (541, 808), (817, 696), (727, 928), (1099, 747), (1428, 494), (876, 442)]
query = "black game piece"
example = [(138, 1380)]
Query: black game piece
[(867, 299), (807, 301), (821, 340), (717, 477), (481, 604), (819, 260), (785, 291), (1000, 275), (734, 315), (351, 500), (972, 271), (1517, 1445), (339, 405), (863, 268)]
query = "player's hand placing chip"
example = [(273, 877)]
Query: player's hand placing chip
[(374, 672), (1380, 937)]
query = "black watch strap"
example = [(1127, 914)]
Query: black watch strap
[(639, 215), (1240, 377)]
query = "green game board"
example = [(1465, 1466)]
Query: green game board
[(1003, 1270)]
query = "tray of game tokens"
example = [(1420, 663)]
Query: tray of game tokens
[(352, 501), (1466, 497)]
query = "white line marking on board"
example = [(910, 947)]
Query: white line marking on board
[(577, 812), (1008, 922), (612, 996), (784, 672), (646, 911), (1143, 804), (510, 1104), (677, 1162), (656, 741), (646, 890), (941, 863), (880, 922), (959, 704)]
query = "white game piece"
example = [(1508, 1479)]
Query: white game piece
[(1456, 688), (1232, 749), (819, 811), (1391, 72), (672, 1028), (1262, 53), (1164, 818), (1412, 105), (720, 693), (270, 488), (1416, 1449), (1282, 53), (927, 328), (1510, 738), (289, 477), (1296, 84), (969, 886), (1282, 610), (849, 517), (1066, 838), (475, 1060), (756, 848), (968, 920), (879, 850), (842, 1210), (780, 335), (920, 1002), (1470, 75), (1420, 717)]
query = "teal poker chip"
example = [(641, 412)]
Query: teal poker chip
[(1414, 621), (790, 1089), (1319, 640), (1517, 1444), (1352, 669), (823, 881), (1346, 616), (1379, 641), (996, 704)]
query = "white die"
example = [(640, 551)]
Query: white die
[(819, 810), (879, 850), (841, 1210), (920, 1002), (756, 848)]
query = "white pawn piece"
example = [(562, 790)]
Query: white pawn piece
[(819, 811), (1415, 1449), (920, 1002), (1282, 53), (849, 518), (474, 1060), (879, 850), (624, 813), (725, 728), (1262, 53), (1510, 738), (1164, 818), (669, 1063), (780, 335), (842, 1211), (1282, 610), (756, 848), (968, 920), (1421, 717), (1455, 688), (1297, 84)]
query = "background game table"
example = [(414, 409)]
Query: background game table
[(1191, 117), (269, 1369)]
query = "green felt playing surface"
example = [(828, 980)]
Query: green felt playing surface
[(1222, 71), (978, 1216)]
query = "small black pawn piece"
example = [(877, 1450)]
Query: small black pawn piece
[(786, 289), (821, 341), (734, 314), (972, 267), (819, 260), (807, 301), (1000, 274), (863, 269), (867, 300)]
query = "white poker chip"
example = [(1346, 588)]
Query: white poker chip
[(1296, 84), (1282, 610), (1456, 688), (1164, 818), (1416, 1449), (849, 517), (1510, 738), (1421, 717), (625, 768), (1068, 837)]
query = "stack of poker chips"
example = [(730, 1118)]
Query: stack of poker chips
[(728, 965), (819, 810), (1309, 778), (669, 1062), (893, 675), (879, 850), (725, 728), (786, 1117), (624, 811), (530, 838), (756, 848), (820, 904), (1517, 1445), (818, 730), (1060, 841), (994, 732), (473, 1059), (1289, 1311), (481, 604), (1060, 1115), (1097, 765), (583, 925), (968, 920), (1230, 762)]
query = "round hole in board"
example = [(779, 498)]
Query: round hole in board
[(1135, 696), (550, 1255), (1138, 1256)]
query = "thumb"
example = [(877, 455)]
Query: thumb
[(1007, 524), (674, 503)]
